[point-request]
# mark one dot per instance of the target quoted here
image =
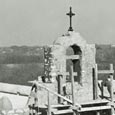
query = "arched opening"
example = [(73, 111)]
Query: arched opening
[(74, 50)]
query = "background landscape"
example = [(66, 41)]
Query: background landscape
[(18, 65)]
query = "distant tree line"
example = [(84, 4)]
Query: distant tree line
[(20, 73), (20, 59), (22, 64), (20, 55)]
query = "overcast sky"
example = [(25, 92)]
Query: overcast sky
[(40, 22)]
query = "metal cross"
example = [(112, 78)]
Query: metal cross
[(70, 14)]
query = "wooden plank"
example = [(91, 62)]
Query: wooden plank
[(95, 108), (43, 106), (95, 102), (73, 57), (59, 112), (60, 106), (105, 71), (66, 73)]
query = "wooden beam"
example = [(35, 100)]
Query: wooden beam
[(101, 87), (105, 71), (87, 109), (49, 104), (15, 93), (61, 81), (111, 79), (67, 73), (93, 75), (60, 106), (95, 83), (102, 90), (73, 57), (111, 89), (59, 87), (95, 102), (72, 86), (98, 108), (63, 112), (97, 112), (63, 73)]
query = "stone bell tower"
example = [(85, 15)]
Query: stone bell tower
[(72, 49)]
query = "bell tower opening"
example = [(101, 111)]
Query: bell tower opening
[(74, 51)]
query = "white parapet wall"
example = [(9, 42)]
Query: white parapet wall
[(15, 89), (17, 94)]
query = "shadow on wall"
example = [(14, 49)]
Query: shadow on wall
[(76, 63)]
